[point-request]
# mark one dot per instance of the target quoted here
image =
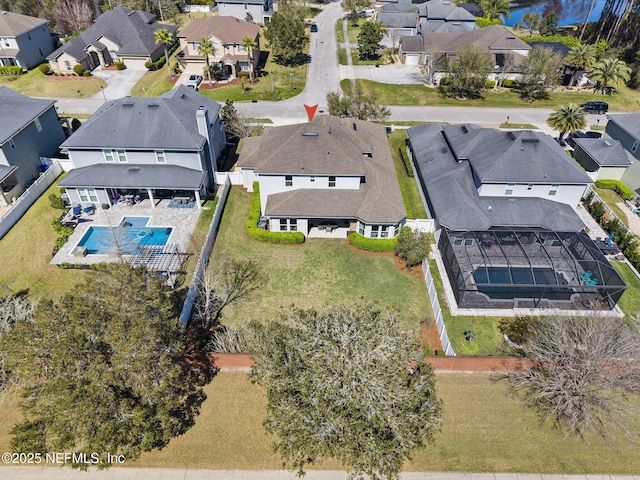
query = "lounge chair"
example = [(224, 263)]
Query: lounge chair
[(586, 275)]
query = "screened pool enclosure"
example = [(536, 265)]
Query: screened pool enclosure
[(528, 268)]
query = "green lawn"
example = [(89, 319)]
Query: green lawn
[(339, 31), (318, 274), (630, 301), (154, 84), (488, 340), (388, 94), (35, 84), (408, 185), (611, 198)]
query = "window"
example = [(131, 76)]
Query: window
[(67, 65), (160, 156), (283, 224), (293, 225), (375, 231), (361, 228), (509, 189), (38, 125), (108, 155), (122, 155), (332, 182), (241, 48), (5, 41), (530, 186), (12, 144), (196, 46), (288, 181), (384, 231), (40, 50), (246, 6), (312, 178), (635, 146), (87, 195), (553, 190)]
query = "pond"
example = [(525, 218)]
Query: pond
[(570, 12)]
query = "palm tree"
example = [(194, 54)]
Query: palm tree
[(568, 118), (580, 57), (249, 45), (495, 8), (610, 71), (206, 48), (165, 37)]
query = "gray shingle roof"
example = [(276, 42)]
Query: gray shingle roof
[(14, 24), (454, 198), (167, 122), (605, 152), (438, 26), (287, 150), (21, 109), (132, 30), (629, 122), (132, 176), (398, 20), (412, 43), (444, 10), (5, 171), (494, 38)]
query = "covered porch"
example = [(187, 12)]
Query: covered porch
[(331, 228), (9, 187), (9, 57)]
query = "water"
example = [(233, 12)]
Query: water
[(99, 240), (570, 12)]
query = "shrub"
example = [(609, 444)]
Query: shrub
[(176, 68), (413, 247), (86, 73), (11, 70), (570, 42), (486, 22), (78, 69), (63, 234), (119, 65), (266, 236), (45, 68), (243, 74), (372, 244), (148, 65), (489, 84), (617, 186), (56, 201), (597, 210), (508, 83)]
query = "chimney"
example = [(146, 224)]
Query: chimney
[(202, 120)]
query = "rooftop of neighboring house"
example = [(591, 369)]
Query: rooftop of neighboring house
[(14, 24), (164, 123), (229, 30), (22, 110), (557, 47), (495, 38), (132, 30), (629, 122), (441, 26), (444, 10), (605, 152), (450, 158), (398, 20), (329, 146)]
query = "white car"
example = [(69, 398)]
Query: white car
[(194, 81), (368, 10)]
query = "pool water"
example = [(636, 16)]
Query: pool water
[(131, 232), (547, 283)]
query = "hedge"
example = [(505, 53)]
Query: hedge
[(282, 238), (372, 244), (617, 186), (11, 70), (509, 83), (571, 42), (158, 64)]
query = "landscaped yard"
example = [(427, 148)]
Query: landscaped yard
[(154, 84), (611, 198), (388, 94), (408, 185), (320, 273), (630, 301), (35, 84)]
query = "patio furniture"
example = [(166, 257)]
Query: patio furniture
[(591, 283), (128, 200), (90, 209), (586, 275), (77, 210), (182, 200)]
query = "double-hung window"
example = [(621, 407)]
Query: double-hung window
[(554, 189), (375, 231), (87, 195), (108, 156), (384, 231), (122, 156), (160, 158)]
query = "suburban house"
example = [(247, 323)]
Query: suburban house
[(153, 148), (328, 177), (33, 132), (399, 24), (445, 16), (24, 41), (227, 34), (260, 10), (626, 129), (601, 158), (120, 34), (507, 230), (503, 46)]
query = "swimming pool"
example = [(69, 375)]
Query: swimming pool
[(547, 283), (131, 232)]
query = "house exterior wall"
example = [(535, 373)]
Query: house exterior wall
[(302, 225), (59, 66), (631, 176), (85, 158), (248, 178), (102, 194), (34, 46), (569, 194), (611, 173), (238, 10), (222, 50)]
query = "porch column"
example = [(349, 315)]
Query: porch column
[(197, 198), (150, 193)]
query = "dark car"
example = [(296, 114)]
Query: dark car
[(571, 139), (592, 134), (314, 28), (595, 107)]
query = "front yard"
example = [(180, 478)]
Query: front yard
[(35, 84)]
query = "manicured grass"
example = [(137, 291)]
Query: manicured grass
[(611, 198), (154, 84), (354, 31), (523, 126), (484, 430), (488, 340), (318, 274), (630, 301), (339, 31), (408, 185), (342, 56), (388, 94), (35, 84)]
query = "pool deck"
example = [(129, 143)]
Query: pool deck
[(181, 220)]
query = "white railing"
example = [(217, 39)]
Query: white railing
[(421, 224), (437, 311), (205, 253), (28, 198)]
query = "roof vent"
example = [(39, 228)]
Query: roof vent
[(511, 38), (530, 140), (127, 103), (309, 134), (511, 135), (154, 104), (134, 169), (329, 129), (489, 207), (465, 129), (367, 154), (607, 143), (355, 127)]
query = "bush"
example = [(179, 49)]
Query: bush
[(11, 70), (489, 84), (617, 186), (266, 236), (45, 68), (56, 201), (148, 65), (486, 22), (86, 73), (63, 234), (243, 74), (413, 247), (119, 65), (570, 42), (78, 69), (508, 83), (372, 244)]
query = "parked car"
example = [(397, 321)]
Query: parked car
[(595, 107), (194, 81), (592, 134), (368, 10), (314, 28), (572, 136)]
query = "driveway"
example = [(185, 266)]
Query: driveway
[(396, 74), (119, 82)]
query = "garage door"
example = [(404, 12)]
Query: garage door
[(411, 59), (134, 64)]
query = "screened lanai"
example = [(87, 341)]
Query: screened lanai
[(528, 268)]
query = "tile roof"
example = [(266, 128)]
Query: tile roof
[(167, 122), (605, 152), (131, 175), (227, 29), (22, 110), (14, 24), (629, 122), (132, 30)]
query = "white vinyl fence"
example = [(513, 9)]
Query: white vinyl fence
[(205, 253), (30, 195), (437, 312), (421, 224), (234, 177)]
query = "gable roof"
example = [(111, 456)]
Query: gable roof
[(131, 175), (605, 152), (132, 30), (227, 29), (440, 26), (444, 10), (493, 38), (167, 122), (411, 43), (629, 122), (454, 198), (22, 110), (330, 146), (14, 24), (398, 20)]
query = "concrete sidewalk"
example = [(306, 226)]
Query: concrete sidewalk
[(55, 473)]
